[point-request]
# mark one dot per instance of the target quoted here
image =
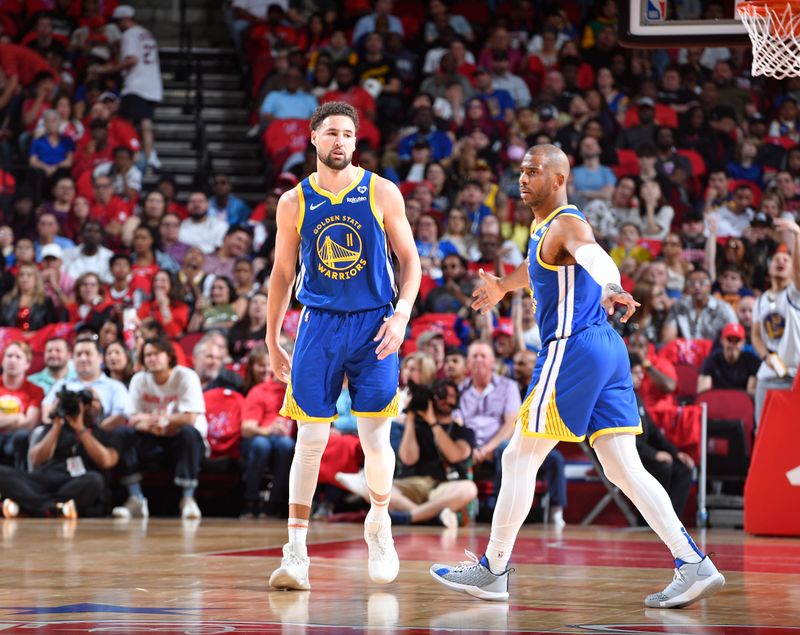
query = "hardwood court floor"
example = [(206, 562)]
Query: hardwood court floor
[(166, 576)]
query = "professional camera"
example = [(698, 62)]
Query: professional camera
[(421, 396), (69, 402)]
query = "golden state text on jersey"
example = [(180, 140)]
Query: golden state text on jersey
[(344, 254)]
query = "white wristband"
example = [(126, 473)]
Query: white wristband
[(404, 307)]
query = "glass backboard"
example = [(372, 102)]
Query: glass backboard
[(668, 23)]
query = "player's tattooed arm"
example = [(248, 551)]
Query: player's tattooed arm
[(613, 288), (615, 294)]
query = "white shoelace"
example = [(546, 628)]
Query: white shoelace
[(472, 561), (292, 559), (677, 578), (380, 545)]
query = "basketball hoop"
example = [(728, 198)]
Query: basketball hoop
[(774, 30)]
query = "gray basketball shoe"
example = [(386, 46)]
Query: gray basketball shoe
[(474, 578), (691, 583)]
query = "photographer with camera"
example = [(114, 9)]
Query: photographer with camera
[(113, 395), (68, 458), (432, 480)]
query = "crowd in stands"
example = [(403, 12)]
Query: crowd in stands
[(687, 168)]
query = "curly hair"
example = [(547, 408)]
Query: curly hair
[(333, 109)]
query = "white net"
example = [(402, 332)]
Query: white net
[(774, 30)]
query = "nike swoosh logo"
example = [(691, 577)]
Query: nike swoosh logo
[(313, 207)]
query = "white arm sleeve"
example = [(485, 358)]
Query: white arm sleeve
[(598, 263)]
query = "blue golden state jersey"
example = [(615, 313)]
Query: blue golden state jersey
[(344, 254), (566, 299)]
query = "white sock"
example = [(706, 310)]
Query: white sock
[(379, 463), (558, 517), (623, 467), (298, 532), (379, 510), (521, 460)]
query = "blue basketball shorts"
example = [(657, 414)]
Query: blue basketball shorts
[(328, 346), (581, 386)]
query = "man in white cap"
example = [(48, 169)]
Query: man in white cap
[(141, 69), (58, 284)]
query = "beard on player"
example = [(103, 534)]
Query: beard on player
[(334, 162)]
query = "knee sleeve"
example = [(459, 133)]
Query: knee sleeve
[(311, 441), (379, 458)]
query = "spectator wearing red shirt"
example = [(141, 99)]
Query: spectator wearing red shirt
[(490, 258), (121, 291), (224, 414), (268, 207), (93, 149), (266, 437), (350, 92), (20, 405), (35, 106), (500, 40), (42, 38), (108, 208), (22, 65), (91, 307), (169, 188), (166, 305), (121, 132), (660, 378), (147, 260), (465, 62)]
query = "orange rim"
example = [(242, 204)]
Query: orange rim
[(775, 9), (760, 7)]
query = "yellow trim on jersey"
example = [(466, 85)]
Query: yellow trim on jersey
[(538, 226), (375, 213), (291, 410), (392, 410), (554, 427), (302, 200), (544, 264), (575, 216), (335, 199), (545, 435), (604, 431)]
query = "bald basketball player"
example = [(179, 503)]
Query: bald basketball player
[(581, 387)]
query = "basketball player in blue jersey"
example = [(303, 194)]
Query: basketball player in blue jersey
[(581, 387), (340, 221)]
